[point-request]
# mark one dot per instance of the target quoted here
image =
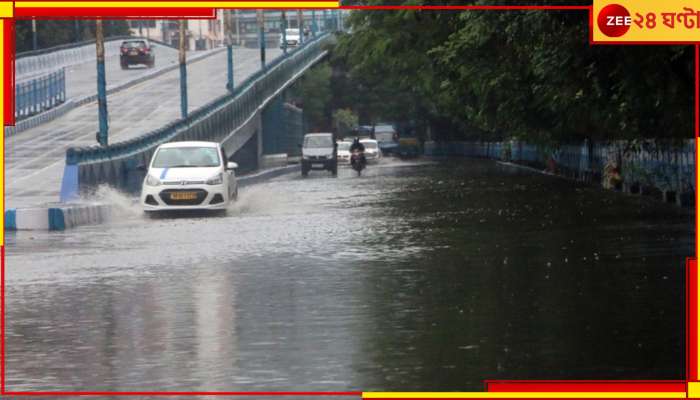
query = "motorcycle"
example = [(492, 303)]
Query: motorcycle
[(358, 162)]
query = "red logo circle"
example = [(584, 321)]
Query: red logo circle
[(614, 20)]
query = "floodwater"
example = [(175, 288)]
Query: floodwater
[(416, 276)]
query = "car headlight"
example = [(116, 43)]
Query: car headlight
[(216, 180), (152, 180)]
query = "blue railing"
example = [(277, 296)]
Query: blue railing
[(648, 164), (40, 94)]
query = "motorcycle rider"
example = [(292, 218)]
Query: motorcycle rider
[(357, 146)]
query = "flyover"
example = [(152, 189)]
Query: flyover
[(234, 119), (35, 158)]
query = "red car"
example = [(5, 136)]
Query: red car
[(137, 51)]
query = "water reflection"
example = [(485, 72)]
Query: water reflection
[(412, 277)]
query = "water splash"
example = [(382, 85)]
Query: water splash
[(124, 205)]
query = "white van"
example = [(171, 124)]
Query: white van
[(319, 151)]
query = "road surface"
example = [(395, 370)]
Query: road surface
[(415, 276)]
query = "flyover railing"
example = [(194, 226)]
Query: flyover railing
[(39, 94), (211, 122)]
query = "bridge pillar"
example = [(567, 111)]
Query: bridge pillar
[(282, 128)]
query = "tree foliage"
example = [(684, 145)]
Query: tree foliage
[(344, 121), (313, 94), (526, 74)]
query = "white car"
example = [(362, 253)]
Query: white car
[(292, 38), (344, 151), (372, 150), (187, 176)]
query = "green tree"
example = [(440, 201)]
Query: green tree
[(313, 94), (496, 74), (344, 121)]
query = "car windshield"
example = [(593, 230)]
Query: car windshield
[(293, 32), (370, 145), (343, 146), (186, 157), (318, 141), (134, 44)]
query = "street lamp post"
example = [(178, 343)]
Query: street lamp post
[(34, 38), (102, 135), (238, 29), (261, 26), (300, 24), (313, 23), (325, 21), (284, 31), (229, 52), (183, 71)]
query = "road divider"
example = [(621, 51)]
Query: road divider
[(56, 218), (260, 176), (273, 160)]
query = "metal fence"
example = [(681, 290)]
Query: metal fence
[(646, 166), (214, 121), (40, 94)]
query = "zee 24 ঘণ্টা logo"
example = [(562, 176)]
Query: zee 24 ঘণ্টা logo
[(649, 21), (614, 20)]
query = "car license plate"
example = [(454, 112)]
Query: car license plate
[(133, 52), (183, 196)]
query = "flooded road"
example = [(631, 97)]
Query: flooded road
[(416, 276)]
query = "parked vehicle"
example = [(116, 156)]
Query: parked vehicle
[(365, 131), (344, 151), (189, 175), (138, 51), (319, 151), (292, 38), (372, 150), (387, 138), (408, 147)]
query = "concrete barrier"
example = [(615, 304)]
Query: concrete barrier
[(273, 160), (56, 218), (258, 177)]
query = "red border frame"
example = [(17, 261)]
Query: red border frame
[(490, 385)]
